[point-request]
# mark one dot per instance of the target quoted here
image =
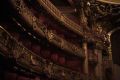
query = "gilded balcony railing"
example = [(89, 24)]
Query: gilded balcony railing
[(24, 57), (40, 28), (66, 21), (61, 17)]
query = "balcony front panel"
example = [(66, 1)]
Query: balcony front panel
[(66, 21), (28, 59), (27, 15), (61, 17)]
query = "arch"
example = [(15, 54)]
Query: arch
[(114, 30), (115, 44)]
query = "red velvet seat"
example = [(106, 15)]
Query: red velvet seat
[(42, 19), (54, 56), (72, 63), (36, 48), (62, 60), (45, 53)]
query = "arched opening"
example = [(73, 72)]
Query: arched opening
[(115, 45)]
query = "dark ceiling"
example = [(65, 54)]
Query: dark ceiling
[(60, 2)]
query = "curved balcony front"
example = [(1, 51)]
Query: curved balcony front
[(27, 59), (29, 18), (69, 23), (42, 47), (61, 17)]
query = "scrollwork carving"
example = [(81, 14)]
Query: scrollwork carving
[(50, 35)]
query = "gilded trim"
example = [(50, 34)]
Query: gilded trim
[(40, 28)]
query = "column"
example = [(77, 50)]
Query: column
[(85, 64), (98, 68), (109, 48)]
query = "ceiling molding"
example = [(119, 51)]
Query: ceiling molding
[(110, 1)]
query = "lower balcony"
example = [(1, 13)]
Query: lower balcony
[(27, 59)]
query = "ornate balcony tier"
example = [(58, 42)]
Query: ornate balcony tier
[(29, 18), (107, 62), (92, 57), (41, 47), (24, 57), (65, 20), (61, 17)]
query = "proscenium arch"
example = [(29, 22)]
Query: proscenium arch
[(114, 37)]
